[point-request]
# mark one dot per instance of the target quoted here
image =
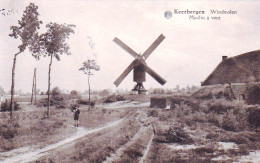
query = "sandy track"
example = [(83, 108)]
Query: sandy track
[(29, 154), (147, 149), (115, 156), (145, 125)]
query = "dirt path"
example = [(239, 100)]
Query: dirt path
[(116, 156), (147, 149), (125, 104), (144, 127), (28, 154)]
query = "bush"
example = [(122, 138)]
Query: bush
[(220, 106), (174, 134), (55, 99), (114, 98), (5, 106), (254, 116), (176, 101), (182, 110), (230, 123), (86, 102), (9, 129), (152, 113), (72, 95), (43, 102), (180, 100), (253, 94), (214, 119)]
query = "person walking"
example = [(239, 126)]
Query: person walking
[(76, 117)]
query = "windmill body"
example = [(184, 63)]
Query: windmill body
[(139, 66)]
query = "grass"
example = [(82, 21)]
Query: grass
[(97, 146), (28, 128), (32, 128), (136, 150)]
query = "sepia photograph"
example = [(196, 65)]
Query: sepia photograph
[(121, 81)]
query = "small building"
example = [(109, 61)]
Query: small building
[(239, 77)]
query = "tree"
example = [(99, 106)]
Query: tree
[(56, 96), (87, 67), (74, 94), (54, 42), (26, 31)]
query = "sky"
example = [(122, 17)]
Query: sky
[(188, 54)]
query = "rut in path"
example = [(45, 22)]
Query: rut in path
[(115, 157), (147, 149), (31, 154), (119, 151)]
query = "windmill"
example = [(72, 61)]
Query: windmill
[(139, 65)]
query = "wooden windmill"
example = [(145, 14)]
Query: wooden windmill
[(139, 65)]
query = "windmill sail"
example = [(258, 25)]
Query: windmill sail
[(156, 76), (153, 46), (124, 74), (125, 47)]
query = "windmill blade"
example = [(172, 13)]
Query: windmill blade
[(156, 76), (125, 47), (124, 74), (153, 46)]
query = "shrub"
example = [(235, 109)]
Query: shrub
[(174, 134), (114, 98), (180, 100), (253, 94), (152, 113), (199, 117), (74, 94), (254, 116), (182, 110), (5, 106), (133, 153), (55, 99), (9, 129), (220, 106), (86, 102), (230, 123), (176, 101), (214, 119), (212, 135), (43, 102), (239, 138)]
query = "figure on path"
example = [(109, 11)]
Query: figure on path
[(76, 117)]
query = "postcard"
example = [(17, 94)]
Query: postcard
[(129, 81)]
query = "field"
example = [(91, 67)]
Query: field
[(130, 131)]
